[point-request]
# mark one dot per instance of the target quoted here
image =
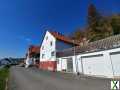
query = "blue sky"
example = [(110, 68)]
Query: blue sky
[(22, 22)]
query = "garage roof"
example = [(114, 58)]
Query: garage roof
[(104, 44)]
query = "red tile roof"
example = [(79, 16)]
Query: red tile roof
[(63, 38), (34, 49)]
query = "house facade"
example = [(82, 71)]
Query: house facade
[(52, 43)]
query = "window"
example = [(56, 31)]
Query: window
[(51, 43), (53, 53), (47, 38), (43, 55), (42, 47)]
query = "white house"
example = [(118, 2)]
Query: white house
[(32, 56), (99, 58), (52, 43)]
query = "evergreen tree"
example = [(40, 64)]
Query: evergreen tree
[(98, 26)]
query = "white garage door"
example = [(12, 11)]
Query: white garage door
[(115, 57), (94, 65)]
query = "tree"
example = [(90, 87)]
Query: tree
[(78, 34), (93, 17), (115, 23), (98, 26)]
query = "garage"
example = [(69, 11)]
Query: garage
[(94, 64), (115, 57)]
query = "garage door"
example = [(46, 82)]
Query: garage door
[(115, 57), (94, 65)]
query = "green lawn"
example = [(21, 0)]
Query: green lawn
[(4, 73)]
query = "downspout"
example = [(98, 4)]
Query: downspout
[(82, 66), (112, 66)]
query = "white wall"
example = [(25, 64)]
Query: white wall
[(116, 63), (62, 65), (59, 65), (48, 48)]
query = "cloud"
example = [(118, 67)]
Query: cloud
[(25, 38), (28, 39)]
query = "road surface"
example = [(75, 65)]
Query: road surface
[(34, 79)]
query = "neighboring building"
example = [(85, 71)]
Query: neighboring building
[(52, 43), (33, 55)]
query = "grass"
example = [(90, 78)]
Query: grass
[(4, 73)]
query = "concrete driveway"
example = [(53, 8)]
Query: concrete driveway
[(34, 79)]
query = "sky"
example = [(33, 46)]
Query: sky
[(23, 22)]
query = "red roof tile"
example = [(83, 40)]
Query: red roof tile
[(34, 49), (65, 39)]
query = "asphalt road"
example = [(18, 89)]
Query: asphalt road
[(34, 79)]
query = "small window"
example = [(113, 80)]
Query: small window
[(43, 48), (47, 38), (51, 43), (53, 53), (43, 55)]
